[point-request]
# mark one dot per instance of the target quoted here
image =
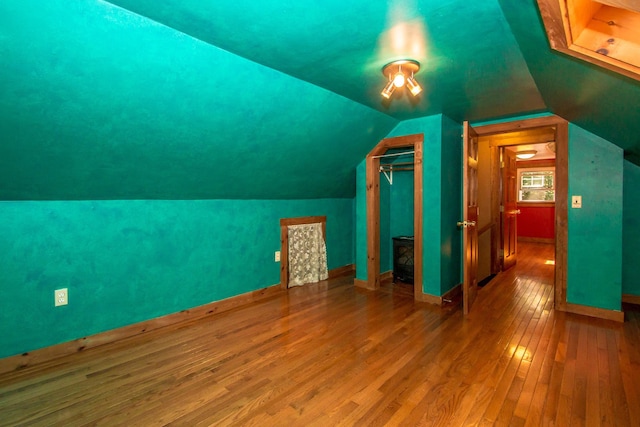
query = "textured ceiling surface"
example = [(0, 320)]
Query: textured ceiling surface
[(189, 99), (471, 64)]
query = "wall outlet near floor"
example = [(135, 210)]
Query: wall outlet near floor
[(576, 202), (277, 256), (61, 297)]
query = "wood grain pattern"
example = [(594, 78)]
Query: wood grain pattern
[(601, 35), (331, 354)]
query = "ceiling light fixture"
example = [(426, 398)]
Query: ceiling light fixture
[(526, 154), (400, 73)]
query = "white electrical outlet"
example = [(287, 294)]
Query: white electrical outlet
[(61, 297), (576, 202), (277, 256)]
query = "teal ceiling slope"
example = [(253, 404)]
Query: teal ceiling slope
[(471, 65), (100, 103), (597, 100)]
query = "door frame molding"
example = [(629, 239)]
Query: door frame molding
[(416, 142), (562, 182)]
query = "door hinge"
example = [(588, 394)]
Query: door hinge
[(501, 209), (501, 253), (501, 165)]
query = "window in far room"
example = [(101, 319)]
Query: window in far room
[(536, 185)]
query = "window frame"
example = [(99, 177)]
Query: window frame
[(522, 170)]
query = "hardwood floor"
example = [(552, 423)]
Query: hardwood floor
[(331, 354)]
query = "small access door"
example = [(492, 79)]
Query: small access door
[(509, 209), (468, 224)]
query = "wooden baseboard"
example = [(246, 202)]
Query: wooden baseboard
[(601, 313), (452, 294), (631, 299), (342, 271), (364, 284), (428, 298), (13, 363), (386, 275), (46, 354), (536, 240)]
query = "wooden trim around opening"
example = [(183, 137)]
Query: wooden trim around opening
[(373, 209), (562, 177), (284, 242), (584, 39)]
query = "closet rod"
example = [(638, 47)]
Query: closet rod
[(393, 154), (396, 169), (394, 165)]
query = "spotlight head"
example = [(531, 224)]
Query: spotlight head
[(388, 90), (400, 73), (413, 86)]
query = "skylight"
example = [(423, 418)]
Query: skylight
[(603, 32)]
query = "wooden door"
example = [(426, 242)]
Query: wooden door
[(468, 224), (509, 209)]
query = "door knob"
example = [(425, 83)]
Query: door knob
[(465, 224)]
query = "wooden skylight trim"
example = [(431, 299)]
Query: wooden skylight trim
[(603, 32)]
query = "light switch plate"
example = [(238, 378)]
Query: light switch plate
[(576, 202)]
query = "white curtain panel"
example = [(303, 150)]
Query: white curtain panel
[(307, 254)]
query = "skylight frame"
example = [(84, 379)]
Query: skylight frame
[(602, 32)]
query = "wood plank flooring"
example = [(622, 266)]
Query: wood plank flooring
[(330, 354)]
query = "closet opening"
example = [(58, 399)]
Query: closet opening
[(379, 166)]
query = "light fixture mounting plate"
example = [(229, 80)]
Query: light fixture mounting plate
[(409, 66)]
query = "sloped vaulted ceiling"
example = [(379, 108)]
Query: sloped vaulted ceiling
[(596, 99), (184, 99)]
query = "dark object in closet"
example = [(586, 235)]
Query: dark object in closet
[(403, 259)]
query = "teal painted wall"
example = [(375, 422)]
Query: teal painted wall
[(129, 261), (101, 103), (631, 229), (451, 237), (386, 251), (594, 271), (401, 204)]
